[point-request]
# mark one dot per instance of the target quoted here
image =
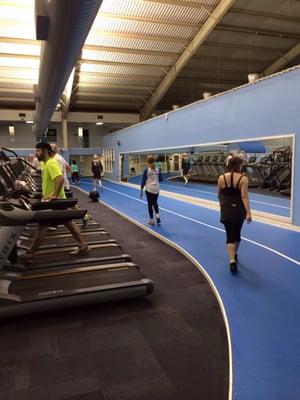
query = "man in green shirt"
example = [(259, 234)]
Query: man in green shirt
[(53, 189)]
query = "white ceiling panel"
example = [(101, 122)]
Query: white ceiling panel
[(136, 43), (20, 48), (142, 28), (27, 74), (128, 70), (119, 80), (157, 10), (128, 58), (19, 62)]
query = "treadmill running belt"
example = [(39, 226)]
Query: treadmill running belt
[(40, 260), (59, 285)]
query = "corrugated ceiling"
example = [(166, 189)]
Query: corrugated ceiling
[(134, 44)]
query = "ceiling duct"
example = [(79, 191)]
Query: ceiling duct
[(69, 22)]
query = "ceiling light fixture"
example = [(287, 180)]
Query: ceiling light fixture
[(11, 130)]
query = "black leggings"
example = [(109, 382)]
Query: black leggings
[(233, 231), (75, 177), (152, 203)]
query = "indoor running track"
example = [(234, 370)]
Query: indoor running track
[(279, 205), (262, 300)]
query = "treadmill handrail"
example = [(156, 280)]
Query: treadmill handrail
[(18, 217)]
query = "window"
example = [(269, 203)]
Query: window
[(83, 137), (48, 136), (109, 158)]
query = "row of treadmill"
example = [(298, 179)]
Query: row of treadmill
[(271, 172), (55, 279)]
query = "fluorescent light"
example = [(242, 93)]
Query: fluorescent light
[(80, 131), (11, 130), (99, 123), (29, 122)]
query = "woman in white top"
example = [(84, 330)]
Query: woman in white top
[(150, 180)]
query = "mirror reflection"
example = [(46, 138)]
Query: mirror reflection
[(194, 170)]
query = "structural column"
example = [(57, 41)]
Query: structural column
[(65, 141)]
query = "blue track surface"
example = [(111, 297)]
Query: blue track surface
[(260, 202), (262, 300)]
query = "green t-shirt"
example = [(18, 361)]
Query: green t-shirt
[(74, 168), (50, 172)]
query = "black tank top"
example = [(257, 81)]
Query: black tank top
[(232, 206)]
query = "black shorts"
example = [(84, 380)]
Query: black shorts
[(97, 175), (233, 231), (185, 171)]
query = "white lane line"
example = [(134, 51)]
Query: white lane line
[(212, 227), (215, 195), (268, 204), (185, 188)]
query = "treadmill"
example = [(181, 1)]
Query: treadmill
[(50, 255), (23, 292), (90, 232), (61, 229), (101, 250)]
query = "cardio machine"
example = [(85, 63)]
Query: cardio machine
[(26, 291)]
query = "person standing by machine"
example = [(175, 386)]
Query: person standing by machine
[(34, 162), (97, 170), (52, 189)]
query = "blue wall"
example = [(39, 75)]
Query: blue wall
[(84, 151), (265, 108)]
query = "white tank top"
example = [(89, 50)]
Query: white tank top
[(152, 182)]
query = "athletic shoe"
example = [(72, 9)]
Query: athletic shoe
[(151, 222), (80, 251), (233, 267), (158, 221)]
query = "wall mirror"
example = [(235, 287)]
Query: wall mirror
[(268, 162)]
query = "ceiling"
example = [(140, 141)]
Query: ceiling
[(146, 55)]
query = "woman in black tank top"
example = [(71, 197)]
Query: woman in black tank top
[(234, 204)]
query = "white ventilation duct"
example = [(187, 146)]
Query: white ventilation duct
[(64, 25), (253, 77), (207, 95)]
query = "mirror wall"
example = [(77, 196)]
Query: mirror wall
[(268, 162)]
